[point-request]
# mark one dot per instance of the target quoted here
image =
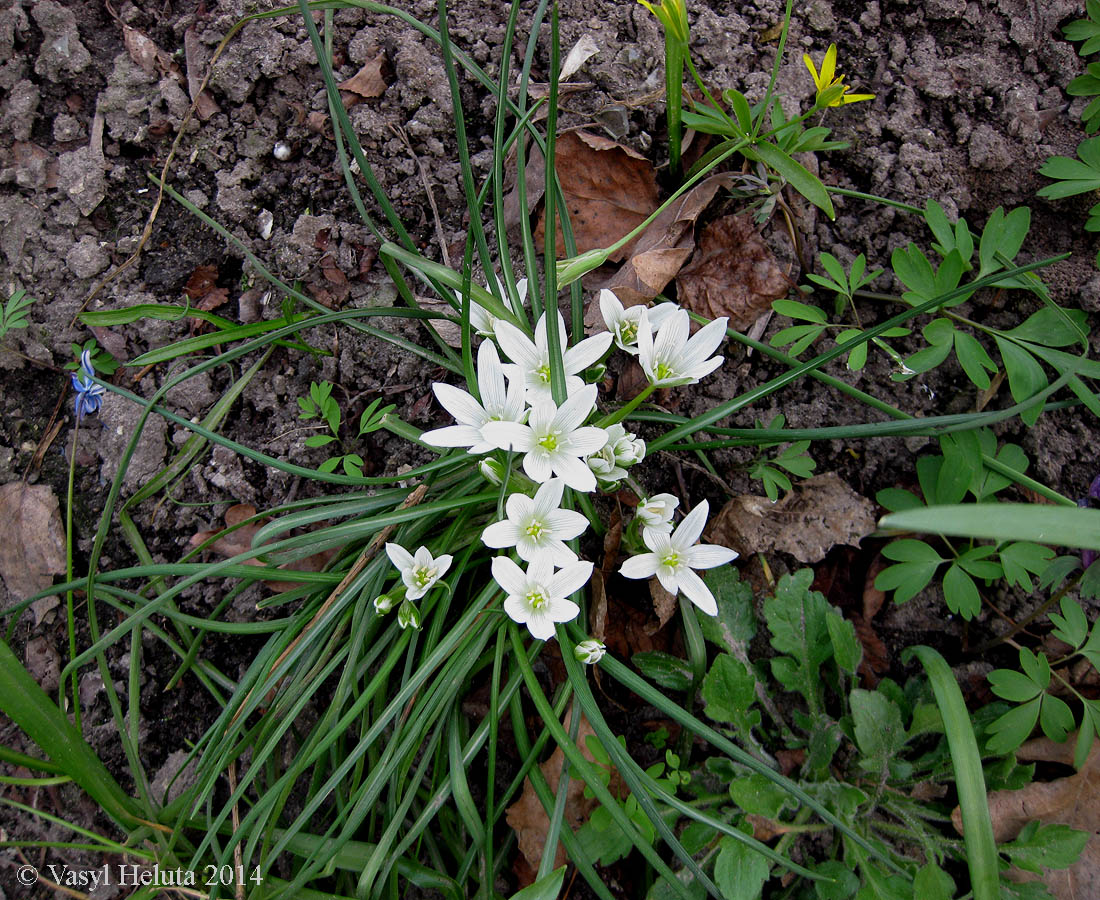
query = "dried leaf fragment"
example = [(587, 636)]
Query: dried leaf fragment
[(733, 273), (816, 514), (609, 190), (663, 247), (367, 83), (32, 538)]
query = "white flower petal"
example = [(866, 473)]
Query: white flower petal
[(587, 352), (537, 464), (547, 499), (490, 379), (442, 564), (399, 556), (669, 578), (500, 534), (507, 435), (453, 436), (572, 413), (587, 440), (611, 309), (517, 346), (688, 531), (566, 524), (697, 592), (707, 556), (573, 472), (461, 405), (509, 576), (540, 625), (644, 565), (570, 579)]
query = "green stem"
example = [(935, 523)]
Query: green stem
[(623, 411), (674, 100), (70, 617)]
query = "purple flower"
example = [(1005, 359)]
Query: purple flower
[(89, 395), (1088, 557)]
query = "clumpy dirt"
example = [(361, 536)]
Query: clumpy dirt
[(969, 100)]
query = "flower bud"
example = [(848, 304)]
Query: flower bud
[(589, 652), (656, 512), (408, 616), (492, 470), (569, 270), (383, 603)]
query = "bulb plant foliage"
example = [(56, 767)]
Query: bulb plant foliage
[(393, 705)]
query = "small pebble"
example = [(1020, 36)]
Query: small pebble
[(282, 151)]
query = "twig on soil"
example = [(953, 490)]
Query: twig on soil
[(422, 169), (365, 557), (148, 230)]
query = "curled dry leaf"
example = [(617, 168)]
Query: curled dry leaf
[(32, 538), (365, 84), (195, 57), (662, 249), (609, 190), (239, 540), (527, 817), (1073, 801), (816, 514), (733, 273), (144, 51), (582, 51)]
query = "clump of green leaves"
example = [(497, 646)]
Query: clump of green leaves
[(1029, 688), (862, 753), (13, 313), (320, 404), (102, 361), (1076, 176), (1087, 85), (967, 465), (793, 459)]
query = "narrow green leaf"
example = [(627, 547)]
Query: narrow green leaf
[(1063, 526), (799, 177)]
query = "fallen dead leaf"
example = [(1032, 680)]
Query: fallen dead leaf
[(195, 57), (733, 273), (32, 538), (662, 249), (201, 282), (144, 51), (1073, 801), (609, 190), (239, 540), (664, 603), (582, 51), (527, 817), (365, 84), (816, 514), (214, 299)]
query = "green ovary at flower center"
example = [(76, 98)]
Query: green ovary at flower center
[(671, 559), (543, 373), (663, 370), (535, 530), (536, 598), (423, 576), (549, 441), (628, 331)]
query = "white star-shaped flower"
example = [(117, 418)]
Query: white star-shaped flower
[(554, 440), (656, 512), (675, 555), (537, 598), (622, 322), (419, 571), (484, 322), (497, 404), (671, 358), (532, 358), (538, 527)]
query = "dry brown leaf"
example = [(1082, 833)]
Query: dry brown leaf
[(214, 299), (816, 514), (664, 603), (195, 57), (527, 817), (144, 52), (609, 191), (233, 543), (733, 273), (201, 282), (32, 538), (662, 249), (368, 82), (1073, 801)]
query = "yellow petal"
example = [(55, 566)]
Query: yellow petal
[(855, 98), (828, 65), (809, 65)]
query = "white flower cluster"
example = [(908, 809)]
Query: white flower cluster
[(514, 410)]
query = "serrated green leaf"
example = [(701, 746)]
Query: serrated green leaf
[(1039, 847), (739, 871), (847, 650), (728, 692), (842, 883), (760, 796), (735, 624), (933, 883), (879, 731), (796, 620)]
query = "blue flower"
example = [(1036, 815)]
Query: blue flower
[(89, 395)]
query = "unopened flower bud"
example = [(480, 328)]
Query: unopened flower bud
[(408, 616), (492, 470), (656, 512), (383, 603), (589, 652)]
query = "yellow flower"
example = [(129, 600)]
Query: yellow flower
[(831, 89), (673, 16)]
